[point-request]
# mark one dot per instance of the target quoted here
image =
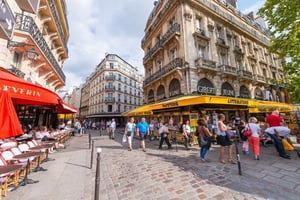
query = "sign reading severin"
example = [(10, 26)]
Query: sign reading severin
[(21, 91)]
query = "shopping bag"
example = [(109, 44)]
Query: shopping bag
[(286, 145), (124, 139)]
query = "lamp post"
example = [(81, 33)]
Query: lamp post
[(97, 179)]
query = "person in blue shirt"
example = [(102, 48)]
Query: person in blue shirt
[(143, 131)]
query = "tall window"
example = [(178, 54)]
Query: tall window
[(264, 72), (220, 32), (16, 60), (111, 65), (119, 86), (109, 108), (201, 51), (159, 65), (150, 72), (172, 22), (223, 59), (198, 24), (173, 54)]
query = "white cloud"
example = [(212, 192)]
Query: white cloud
[(255, 7), (97, 27)]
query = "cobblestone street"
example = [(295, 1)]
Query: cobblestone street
[(167, 174)]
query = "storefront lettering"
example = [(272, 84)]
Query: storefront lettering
[(21, 91), (227, 92), (237, 101), (206, 90), (174, 93), (167, 105)]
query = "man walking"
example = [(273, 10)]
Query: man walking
[(112, 129), (143, 131)]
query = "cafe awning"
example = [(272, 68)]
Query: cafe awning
[(269, 106), (63, 107), (139, 111), (24, 92)]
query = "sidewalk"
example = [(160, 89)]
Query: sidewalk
[(160, 174)]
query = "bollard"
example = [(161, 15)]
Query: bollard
[(92, 155), (97, 179), (90, 138)]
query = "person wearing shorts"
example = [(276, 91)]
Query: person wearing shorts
[(143, 131)]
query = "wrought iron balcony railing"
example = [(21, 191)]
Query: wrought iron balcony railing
[(110, 99), (167, 68), (26, 23), (202, 63), (110, 87), (58, 24), (17, 72), (227, 69), (110, 77), (245, 74)]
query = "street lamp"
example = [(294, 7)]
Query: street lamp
[(32, 54)]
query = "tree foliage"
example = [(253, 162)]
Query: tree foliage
[(283, 18)]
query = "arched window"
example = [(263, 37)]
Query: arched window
[(151, 96), (227, 90), (244, 92), (174, 88), (206, 87), (161, 92)]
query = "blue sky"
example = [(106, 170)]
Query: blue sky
[(115, 26)]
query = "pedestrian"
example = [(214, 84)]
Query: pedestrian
[(245, 145), (143, 131), (254, 138), (224, 140), (159, 125), (151, 128), (112, 129), (274, 121), (186, 134), (164, 132), (129, 132), (205, 135)]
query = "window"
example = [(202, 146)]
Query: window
[(201, 51), (150, 72), (109, 108), (264, 72), (198, 24), (220, 32), (125, 88), (172, 22), (223, 59), (119, 97), (119, 86), (120, 77), (159, 65), (173, 54), (274, 75), (16, 60), (111, 65)]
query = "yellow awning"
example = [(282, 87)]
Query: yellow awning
[(269, 106), (194, 100), (139, 111)]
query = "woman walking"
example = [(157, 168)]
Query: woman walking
[(129, 132), (254, 138), (223, 140), (203, 135), (164, 131), (186, 134)]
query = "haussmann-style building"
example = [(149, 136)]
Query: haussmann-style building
[(114, 87)]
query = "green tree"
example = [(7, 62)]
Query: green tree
[(283, 18)]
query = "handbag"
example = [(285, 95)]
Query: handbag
[(230, 134), (248, 132), (286, 145), (202, 141), (124, 139)]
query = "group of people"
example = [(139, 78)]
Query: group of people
[(275, 130)]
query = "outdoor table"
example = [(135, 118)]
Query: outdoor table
[(27, 156), (24, 139), (43, 147), (8, 169)]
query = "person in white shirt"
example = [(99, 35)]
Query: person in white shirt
[(254, 138), (112, 129)]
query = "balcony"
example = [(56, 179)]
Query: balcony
[(172, 31), (27, 24), (110, 77), (244, 74), (176, 63), (58, 24), (110, 87), (237, 49), (110, 99), (205, 65), (260, 78), (228, 70), (201, 34), (221, 42), (17, 72)]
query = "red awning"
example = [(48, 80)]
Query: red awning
[(9, 121), (63, 107), (24, 92)]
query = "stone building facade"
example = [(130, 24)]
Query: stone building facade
[(33, 44), (114, 87), (208, 47)]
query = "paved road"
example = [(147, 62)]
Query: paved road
[(160, 174)]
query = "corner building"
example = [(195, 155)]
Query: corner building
[(208, 47), (33, 40), (114, 87)]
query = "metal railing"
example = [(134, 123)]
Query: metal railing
[(202, 63), (110, 87), (27, 24), (110, 77), (245, 74), (227, 69), (177, 62), (17, 72), (58, 24), (109, 99)]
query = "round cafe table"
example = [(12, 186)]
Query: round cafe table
[(27, 156)]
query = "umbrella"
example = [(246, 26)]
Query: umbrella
[(9, 121)]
